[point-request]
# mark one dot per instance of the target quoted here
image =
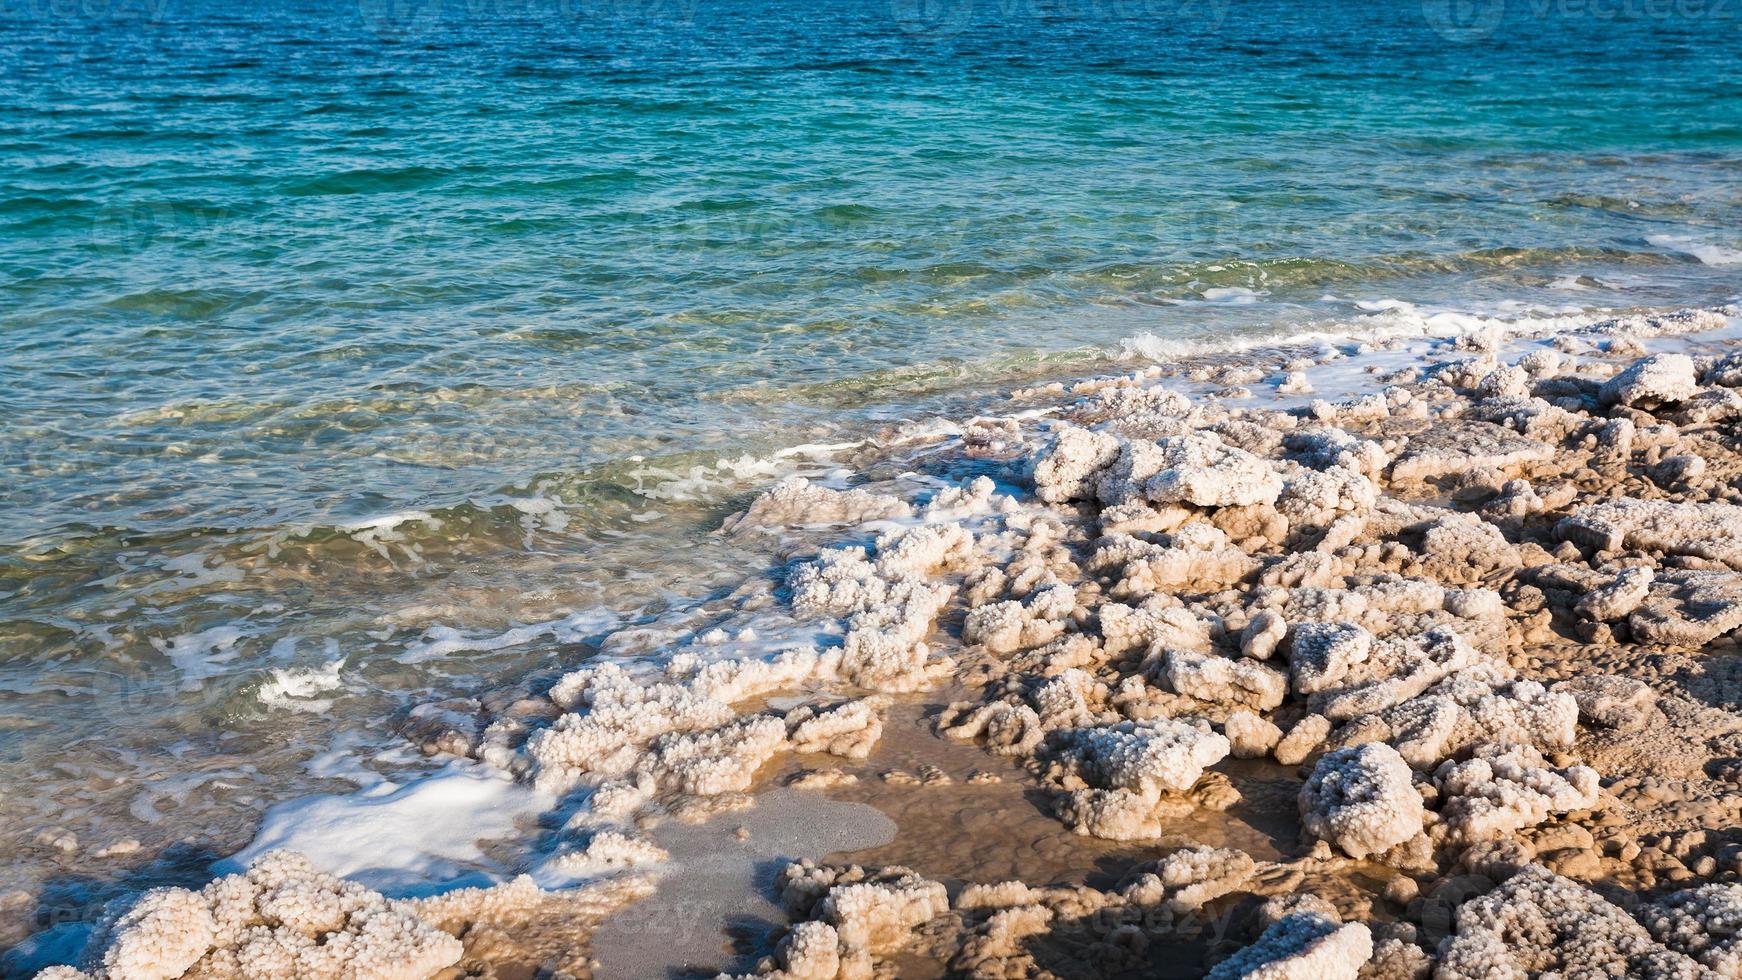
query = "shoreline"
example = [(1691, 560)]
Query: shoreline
[(1124, 655)]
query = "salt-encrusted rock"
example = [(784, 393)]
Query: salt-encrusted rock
[(1069, 466), (888, 602), (1704, 923), (1725, 371), (867, 913), (620, 720), (1071, 699), (1688, 609), (1610, 701), (162, 934), (1313, 498), (609, 852), (848, 729), (1545, 363), (1362, 800), (280, 917), (795, 501), (1149, 758), (1180, 560), (1190, 878), (1328, 448), (1223, 680), (1351, 411), (1703, 530), (1008, 626), (716, 760), (1137, 774), (1153, 623), (1652, 381), (1301, 946), (1249, 735), (1618, 598), (1467, 708), (1394, 672), (1321, 654), (1457, 545), (1505, 788), (1657, 324), (1201, 469), (1302, 740), (811, 951), (1455, 447), (1262, 634), (1005, 729), (879, 916), (1539, 924)]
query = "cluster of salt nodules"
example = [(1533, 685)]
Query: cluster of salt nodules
[(282, 918), (1438, 604), (1461, 612)]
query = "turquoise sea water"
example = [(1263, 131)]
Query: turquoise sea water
[(329, 322)]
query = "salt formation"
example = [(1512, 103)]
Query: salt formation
[(280, 918), (1473, 619), (1539, 924), (1505, 788), (1362, 800), (796, 500), (1301, 946)]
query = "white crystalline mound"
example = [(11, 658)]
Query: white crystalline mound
[(1652, 381), (1068, 467), (1704, 922), (1223, 680), (1301, 946), (1704, 530), (280, 918), (1362, 800), (1538, 924), (849, 729), (1321, 654), (1506, 788), (1200, 469), (1149, 758)]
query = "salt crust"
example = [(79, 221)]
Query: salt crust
[(1209, 543), (282, 918)]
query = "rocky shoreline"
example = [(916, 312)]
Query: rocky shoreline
[(1430, 676)]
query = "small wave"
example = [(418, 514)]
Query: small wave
[(369, 181), (1708, 253), (442, 641), (1376, 321)]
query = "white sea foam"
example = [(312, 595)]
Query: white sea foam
[(699, 482), (400, 838), (297, 689), (1377, 321), (1708, 253), (201, 655), (441, 641)]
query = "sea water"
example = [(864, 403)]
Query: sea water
[(364, 353)]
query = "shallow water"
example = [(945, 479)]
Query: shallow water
[(343, 339)]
